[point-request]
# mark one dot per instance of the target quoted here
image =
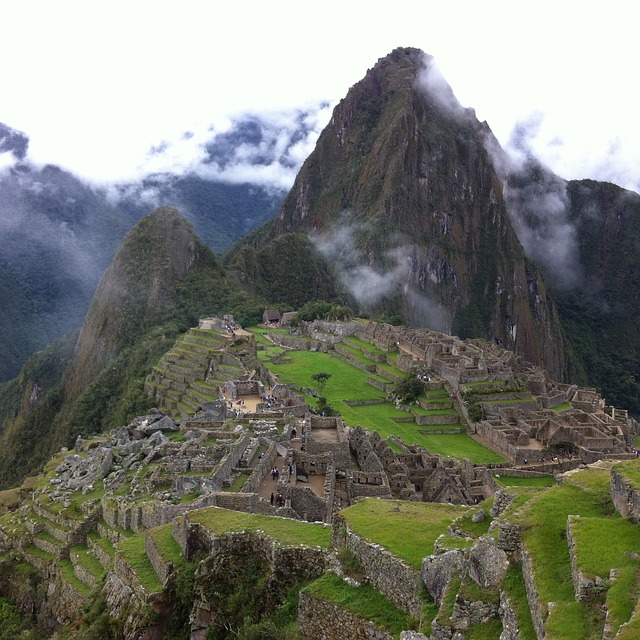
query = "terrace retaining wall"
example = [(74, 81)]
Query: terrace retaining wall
[(389, 574), (625, 496), (321, 620)]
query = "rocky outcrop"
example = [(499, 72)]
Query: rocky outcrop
[(488, 563), (438, 571)]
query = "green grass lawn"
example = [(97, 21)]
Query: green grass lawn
[(283, 530), (380, 521), (350, 383), (604, 543), (346, 383)]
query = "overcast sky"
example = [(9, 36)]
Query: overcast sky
[(96, 85)]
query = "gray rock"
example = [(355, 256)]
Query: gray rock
[(164, 424), (437, 571), (478, 516), (487, 563)]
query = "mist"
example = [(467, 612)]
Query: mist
[(392, 275)]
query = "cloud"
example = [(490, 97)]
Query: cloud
[(370, 284), (538, 205), (434, 86)]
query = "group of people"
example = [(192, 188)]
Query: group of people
[(277, 500), (275, 474)]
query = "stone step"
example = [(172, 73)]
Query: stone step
[(101, 549), (86, 567), (46, 542)]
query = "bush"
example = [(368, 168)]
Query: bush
[(410, 388)]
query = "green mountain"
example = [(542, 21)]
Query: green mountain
[(162, 279), (600, 313), (401, 203)]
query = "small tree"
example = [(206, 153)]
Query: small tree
[(409, 388), (320, 379)]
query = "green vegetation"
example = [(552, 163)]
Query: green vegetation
[(134, 552), (540, 481), (421, 523), (349, 384), (514, 586), (283, 531), (630, 470), (409, 389), (363, 601), (166, 544), (13, 624), (544, 521)]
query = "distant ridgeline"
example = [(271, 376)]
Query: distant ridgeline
[(239, 506)]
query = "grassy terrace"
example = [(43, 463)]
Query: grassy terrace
[(364, 346), (421, 523), (544, 521), (66, 569), (543, 481), (630, 470), (134, 552), (284, 531), (81, 554), (348, 383), (166, 544), (363, 601)]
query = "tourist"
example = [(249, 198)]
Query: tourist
[(272, 498)]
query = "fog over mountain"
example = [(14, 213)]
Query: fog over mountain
[(59, 232)]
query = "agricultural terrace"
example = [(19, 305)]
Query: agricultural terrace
[(349, 384), (603, 541), (283, 530), (421, 523)]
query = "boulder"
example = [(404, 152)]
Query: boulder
[(487, 563), (437, 571)]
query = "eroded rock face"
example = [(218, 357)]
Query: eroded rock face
[(437, 571), (487, 563)]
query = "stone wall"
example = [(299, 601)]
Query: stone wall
[(625, 496), (510, 630), (305, 502), (320, 620), (387, 573), (261, 471), (537, 615), (436, 419), (162, 568), (230, 461)]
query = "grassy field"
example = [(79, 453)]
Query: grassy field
[(421, 523), (348, 383), (544, 481)]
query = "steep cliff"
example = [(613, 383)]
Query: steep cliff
[(402, 199)]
